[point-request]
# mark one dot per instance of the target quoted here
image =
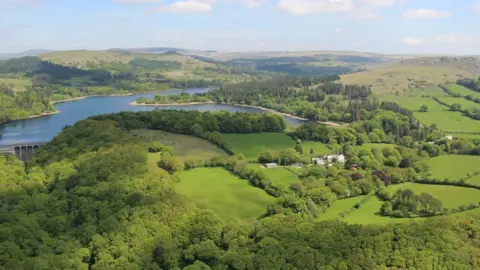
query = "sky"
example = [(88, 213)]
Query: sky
[(382, 26)]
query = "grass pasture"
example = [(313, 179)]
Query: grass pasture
[(224, 193), (462, 101), (252, 145), (397, 77), (413, 103), (318, 148), (185, 146), (448, 121), (461, 90), (451, 196), (338, 207), (474, 180), (466, 136), (280, 176), (453, 166)]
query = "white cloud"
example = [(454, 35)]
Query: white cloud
[(476, 6), (338, 30), (304, 7), (187, 6), (251, 4), (413, 14), (137, 1), (411, 41), (380, 3)]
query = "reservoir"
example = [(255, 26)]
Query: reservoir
[(43, 129)]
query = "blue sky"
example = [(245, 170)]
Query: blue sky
[(384, 26)]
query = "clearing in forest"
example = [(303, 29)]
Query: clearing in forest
[(186, 147), (252, 145), (319, 148), (453, 167), (338, 207), (281, 176), (224, 193)]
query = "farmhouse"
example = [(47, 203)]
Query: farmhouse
[(319, 161), (271, 165), (338, 158), (449, 137)]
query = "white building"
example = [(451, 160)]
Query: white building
[(449, 137), (319, 161), (271, 165)]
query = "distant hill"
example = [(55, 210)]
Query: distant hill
[(23, 54), (467, 63), (414, 73)]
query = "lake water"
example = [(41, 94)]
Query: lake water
[(43, 129)]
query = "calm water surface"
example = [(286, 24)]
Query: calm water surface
[(43, 129)]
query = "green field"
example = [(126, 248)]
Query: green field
[(413, 103), (448, 121), (368, 214), (464, 102), (185, 146), (224, 193), (252, 145), (453, 166), (338, 207), (466, 136), (474, 180), (281, 176), (458, 89), (451, 196), (437, 114), (318, 148)]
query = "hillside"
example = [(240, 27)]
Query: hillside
[(415, 73)]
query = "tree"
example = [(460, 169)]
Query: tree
[(424, 108), (155, 147), (299, 148)]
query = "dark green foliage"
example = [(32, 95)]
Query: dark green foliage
[(406, 204), (91, 203)]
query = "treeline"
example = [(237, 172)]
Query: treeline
[(470, 83)]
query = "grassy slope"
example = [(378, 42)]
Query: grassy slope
[(458, 89), (222, 192), (185, 146), (338, 207), (281, 176), (397, 77), (453, 166), (464, 102), (252, 145), (318, 148)]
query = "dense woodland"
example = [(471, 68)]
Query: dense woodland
[(88, 201)]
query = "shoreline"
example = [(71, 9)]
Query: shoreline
[(134, 103), (43, 114), (333, 124)]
